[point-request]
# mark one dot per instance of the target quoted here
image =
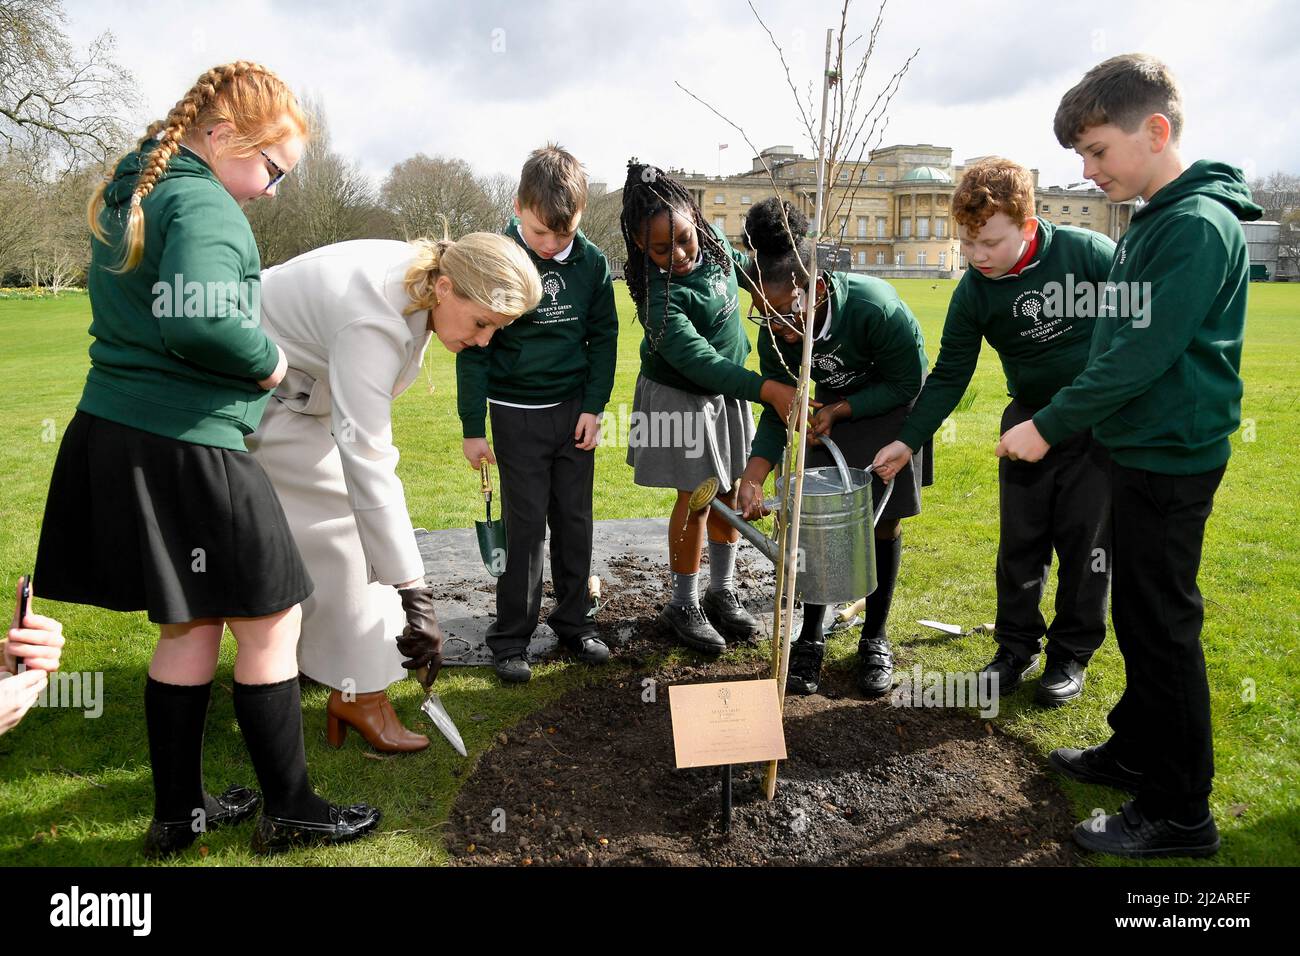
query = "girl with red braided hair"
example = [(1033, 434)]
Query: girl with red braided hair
[(154, 503)]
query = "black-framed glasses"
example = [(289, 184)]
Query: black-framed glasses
[(277, 174), (790, 320), (781, 319)]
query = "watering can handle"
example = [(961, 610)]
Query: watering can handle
[(884, 499)]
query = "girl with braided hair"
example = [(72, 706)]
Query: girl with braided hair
[(693, 389), (154, 503), (868, 361)]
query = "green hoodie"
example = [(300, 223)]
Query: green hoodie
[(177, 346), (567, 347), (1029, 318), (1162, 389), (694, 339), (871, 351)]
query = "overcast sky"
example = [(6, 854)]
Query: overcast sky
[(487, 81)]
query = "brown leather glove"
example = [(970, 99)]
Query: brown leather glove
[(421, 640)]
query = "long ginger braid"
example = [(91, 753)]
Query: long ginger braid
[(246, 94)]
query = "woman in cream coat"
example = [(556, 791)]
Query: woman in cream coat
[(354, 320)]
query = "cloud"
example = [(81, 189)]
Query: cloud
[(490, 81)]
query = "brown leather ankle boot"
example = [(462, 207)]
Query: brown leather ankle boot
[(373, 717)]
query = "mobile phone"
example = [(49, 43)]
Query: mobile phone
[(20, 613)]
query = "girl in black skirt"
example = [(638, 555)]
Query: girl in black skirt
[(869, 365), (154, 504)]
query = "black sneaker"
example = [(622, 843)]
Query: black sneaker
[(1095, 765), (235, 804), (1010, 668), (1062, 682), (805, 667), (1131, 833), (276, 834), (690, 626), (728, 615), (512, 668), (875, 667)]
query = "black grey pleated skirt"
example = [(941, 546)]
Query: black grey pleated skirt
[(138, 522)]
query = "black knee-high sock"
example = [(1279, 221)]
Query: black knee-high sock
[(888, 555), (270, 716), (814, 617), (174, 715)]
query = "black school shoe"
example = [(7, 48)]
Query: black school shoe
[(805, 670), (1095, 765), (875, 667), (236, 805), (728, 616), (276, 834), (587, 648), (1011, 670), (513, 668), (1062, 682), (690, 626), (1131, 833)]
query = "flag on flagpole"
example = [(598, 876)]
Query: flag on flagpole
[(722, 146)]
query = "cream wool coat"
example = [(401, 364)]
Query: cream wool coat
[(326, 441)]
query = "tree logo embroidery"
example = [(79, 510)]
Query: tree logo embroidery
[(552, 285), (718, 284), (1029, 304)]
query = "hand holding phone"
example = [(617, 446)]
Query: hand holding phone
[(33, 641)]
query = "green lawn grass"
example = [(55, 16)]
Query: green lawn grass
[(77, 791)]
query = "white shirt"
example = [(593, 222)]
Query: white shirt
[(337, 313)]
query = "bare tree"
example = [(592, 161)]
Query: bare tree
[(55, 103), (421, 190), (500, 190), (328, 199), (600, 223), (1278, 193), (20, 218)]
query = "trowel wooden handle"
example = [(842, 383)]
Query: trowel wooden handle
[(593, 587), (485, 483), (852, 610)]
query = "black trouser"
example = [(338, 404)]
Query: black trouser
[(1162, 721), (1060, 503), (545, 480)]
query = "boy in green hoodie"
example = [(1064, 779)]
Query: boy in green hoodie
[(1030, 290), (1162, 391), (547, 378)]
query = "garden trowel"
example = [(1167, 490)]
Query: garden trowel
[(436, 711), (491, 534)]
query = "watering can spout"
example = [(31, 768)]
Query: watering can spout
[(705, 496)]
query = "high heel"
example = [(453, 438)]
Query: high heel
[(336, 731), (372, 716)]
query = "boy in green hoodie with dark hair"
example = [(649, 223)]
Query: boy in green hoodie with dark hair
[(1162, 391), (546, 378)]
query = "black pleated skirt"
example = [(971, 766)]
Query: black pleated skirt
[(138, 522)]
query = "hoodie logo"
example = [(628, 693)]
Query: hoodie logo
[(553, 284), (1029, 304), (718, 284), (1123, 251)]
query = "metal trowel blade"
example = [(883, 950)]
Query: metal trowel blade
[(940, 626), (436, 712)]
